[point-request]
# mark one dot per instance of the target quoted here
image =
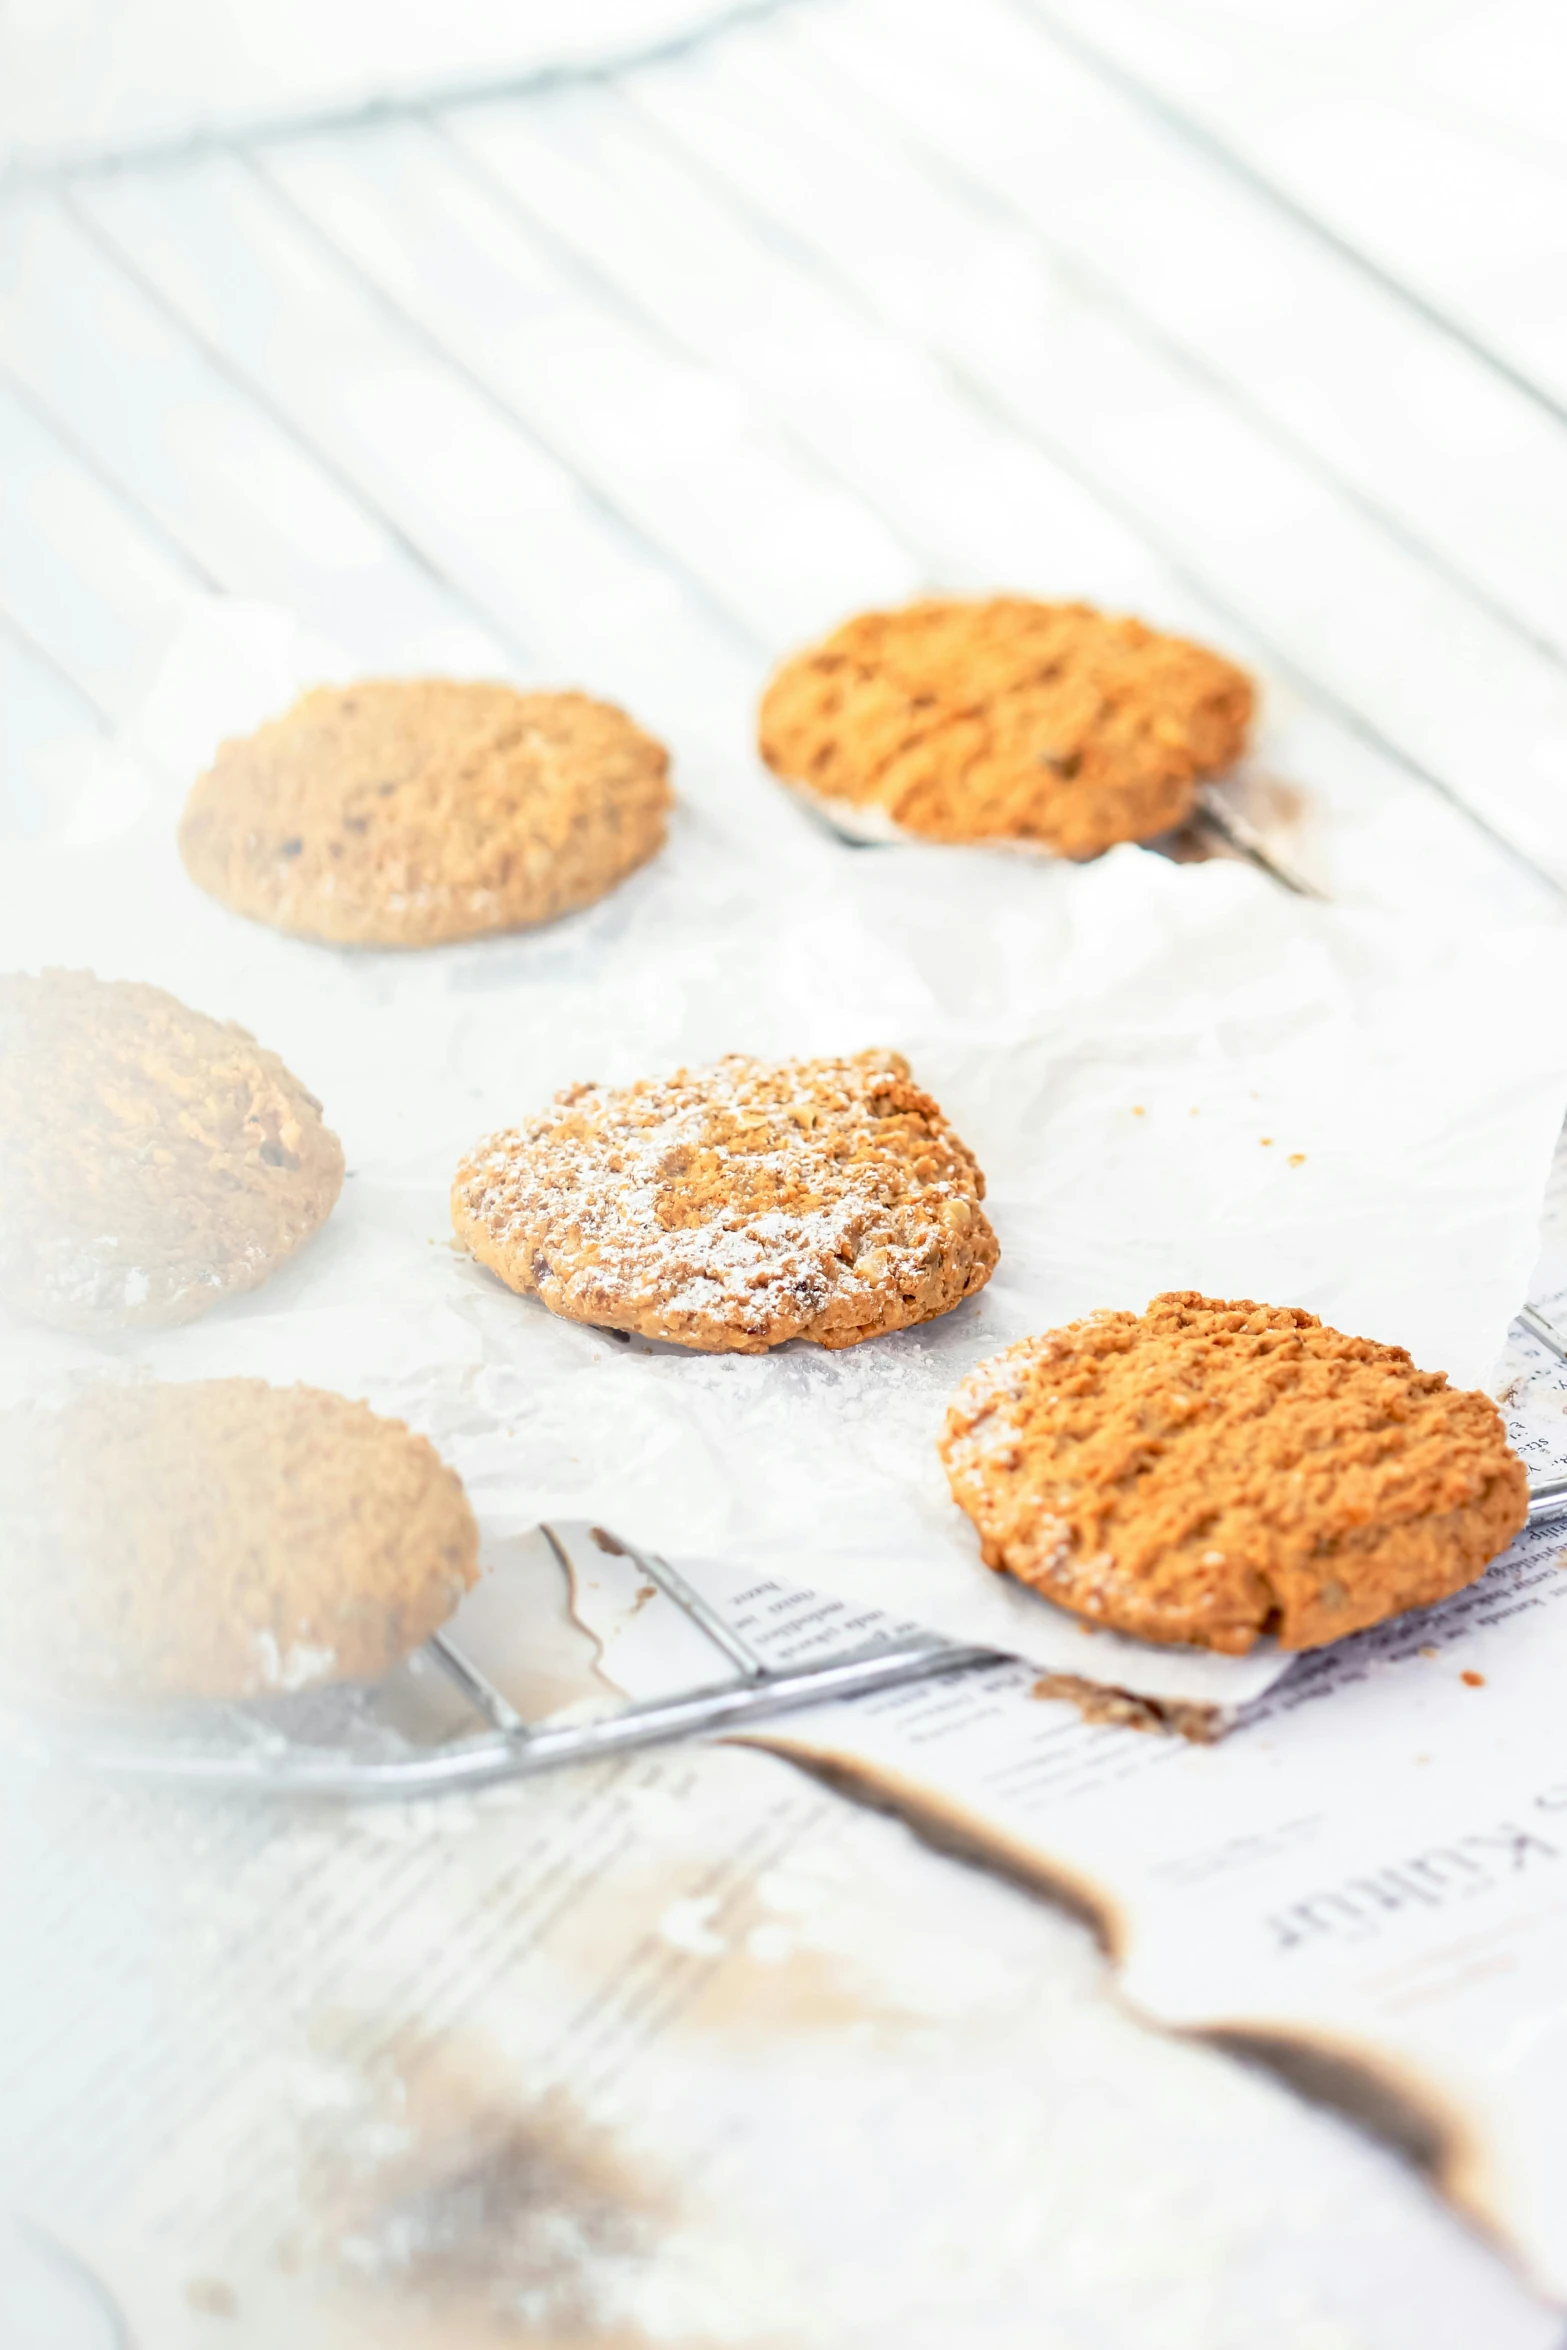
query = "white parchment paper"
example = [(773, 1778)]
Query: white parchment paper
[(1174, 1077)]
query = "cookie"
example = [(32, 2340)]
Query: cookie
[(222, 1539), (404, 812), (1005, 720), (1208, 1471), (152, 1161), (734, 1207)]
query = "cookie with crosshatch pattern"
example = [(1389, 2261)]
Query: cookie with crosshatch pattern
[(733, 1207), (1211, 1470), (1051, 726), (404, 812)]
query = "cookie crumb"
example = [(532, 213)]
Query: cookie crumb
[(211, 2297), (1120, 1709), (1472, 1680)]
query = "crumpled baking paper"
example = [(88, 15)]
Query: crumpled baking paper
[(1174, 1077)]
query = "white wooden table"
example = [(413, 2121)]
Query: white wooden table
[(1247, 318)]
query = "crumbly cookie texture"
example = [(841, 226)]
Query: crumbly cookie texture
[(733, 1207), (404, 812), (1006, 720), (152, 1161), (221, 1539), (1208, 1471)]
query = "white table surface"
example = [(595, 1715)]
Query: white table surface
[(1247, 317)]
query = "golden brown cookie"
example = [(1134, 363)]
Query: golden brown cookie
[(222, 1539), (733, 1207), (402, 812), (1005, 720), (152, 1161), (1208, 1471)]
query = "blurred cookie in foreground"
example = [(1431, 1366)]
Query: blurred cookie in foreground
[(734, 1207), (222, 1539), (1209, 1471), (152, 1160), (1004, 720), (408, 811)]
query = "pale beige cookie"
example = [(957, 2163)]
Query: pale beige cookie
[(734, 1207), (1051, 725), (222, 1539), (403, 812), (152, 1161), (1208, 1471)]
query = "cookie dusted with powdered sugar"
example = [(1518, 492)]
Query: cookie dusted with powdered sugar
[(407, 811), (222, 1539), (734, 1207), (1050, 725), (1208, 1471), (152, 1161)]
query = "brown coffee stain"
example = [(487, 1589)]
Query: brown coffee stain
[(451, 2208), (211, 2297), (803, 1992)]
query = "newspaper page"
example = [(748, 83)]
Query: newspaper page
[(683, 2050), (1364, 1882)]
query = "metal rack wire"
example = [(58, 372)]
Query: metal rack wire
[(503, 1746)]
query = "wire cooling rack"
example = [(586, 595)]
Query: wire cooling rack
[(442, 1723)]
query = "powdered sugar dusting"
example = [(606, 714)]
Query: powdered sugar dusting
[(736, 1206), (299, 1666)]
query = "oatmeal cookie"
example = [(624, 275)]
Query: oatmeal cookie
[(221, 1539), (734, 1207), (152, 1161), (405, 812), (1211, 1470), (1007, 720)]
